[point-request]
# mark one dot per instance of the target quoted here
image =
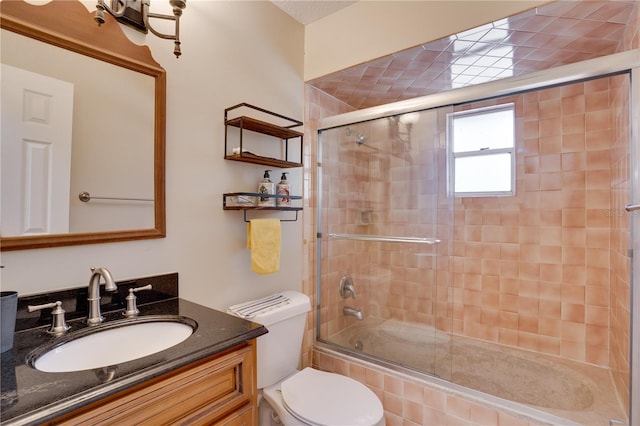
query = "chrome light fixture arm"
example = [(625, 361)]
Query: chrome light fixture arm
[(177, 6), (136, 14), (101, 7)]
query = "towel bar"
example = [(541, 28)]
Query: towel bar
[(281, 220), (85, 197), (386, 238)]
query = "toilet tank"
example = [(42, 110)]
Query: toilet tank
[(279, 349)]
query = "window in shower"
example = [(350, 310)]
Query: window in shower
[(482, 153)]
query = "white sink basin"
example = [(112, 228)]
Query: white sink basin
[(112, 344)]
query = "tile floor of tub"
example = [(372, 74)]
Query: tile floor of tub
[(575, 391)]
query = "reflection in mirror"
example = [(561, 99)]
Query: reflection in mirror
[(101, 159), (80, 124)]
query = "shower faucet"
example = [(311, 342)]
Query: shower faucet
[(347, 288)]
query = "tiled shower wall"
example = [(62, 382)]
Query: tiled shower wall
[(548, 270), (408, 403), (317, 105), (620, 285), (532, 270), (620, 265), (388, 187)]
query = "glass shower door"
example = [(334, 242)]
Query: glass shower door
[(383, 225)]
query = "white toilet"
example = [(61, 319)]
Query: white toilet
[(308, 397)]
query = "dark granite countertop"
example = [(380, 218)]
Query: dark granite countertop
[(30, 396)]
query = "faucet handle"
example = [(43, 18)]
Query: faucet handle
[(132, 309), (59, 325), (347, 288)]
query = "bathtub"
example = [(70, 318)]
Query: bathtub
[(566, 389)]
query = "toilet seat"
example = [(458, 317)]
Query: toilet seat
[(328, 399)]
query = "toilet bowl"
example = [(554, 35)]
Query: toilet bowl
[(310, 396), (313, 397)]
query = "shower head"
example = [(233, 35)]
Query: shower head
[(360, 138)]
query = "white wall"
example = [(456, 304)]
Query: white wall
[(370, 29), (237, 51), (233, 52)]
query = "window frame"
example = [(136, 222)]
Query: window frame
[(452, 156)]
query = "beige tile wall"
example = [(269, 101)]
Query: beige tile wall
[(620, 285), (564, 245), (532, 271), (385, 187), (620, 303), (317, 106)]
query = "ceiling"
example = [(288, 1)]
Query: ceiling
[(308, 11), (555, 34)]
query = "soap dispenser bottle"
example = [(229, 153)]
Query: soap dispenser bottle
[(266, 186), (282, 189)]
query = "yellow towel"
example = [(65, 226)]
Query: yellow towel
[(263, 239)]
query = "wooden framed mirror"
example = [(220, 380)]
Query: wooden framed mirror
[(69, 26)]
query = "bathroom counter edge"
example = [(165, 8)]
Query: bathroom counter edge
[(30, 396)]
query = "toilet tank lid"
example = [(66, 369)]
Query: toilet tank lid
[(272, 309)]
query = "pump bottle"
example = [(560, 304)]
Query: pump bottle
[(266, 186), (282, 189)]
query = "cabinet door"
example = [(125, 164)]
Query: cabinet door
[(244, 417), (204, 393)]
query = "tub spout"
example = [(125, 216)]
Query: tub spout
[(352, 312), (614, 422)]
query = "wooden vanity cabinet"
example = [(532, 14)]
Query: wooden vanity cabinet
[(219, 390)]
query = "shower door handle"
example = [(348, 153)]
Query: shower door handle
[(632, 207)]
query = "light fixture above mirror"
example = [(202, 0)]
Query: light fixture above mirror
[(135, 13)]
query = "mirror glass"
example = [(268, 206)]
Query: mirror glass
[(82, 145)]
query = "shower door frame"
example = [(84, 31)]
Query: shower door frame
[(634, 397), (618, 63)]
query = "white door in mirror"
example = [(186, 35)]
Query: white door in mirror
[(37, 115)]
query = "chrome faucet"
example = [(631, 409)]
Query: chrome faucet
[(352, 312), (95, 317), (347, 288)]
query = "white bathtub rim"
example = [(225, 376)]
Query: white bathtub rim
[(512, 408)]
